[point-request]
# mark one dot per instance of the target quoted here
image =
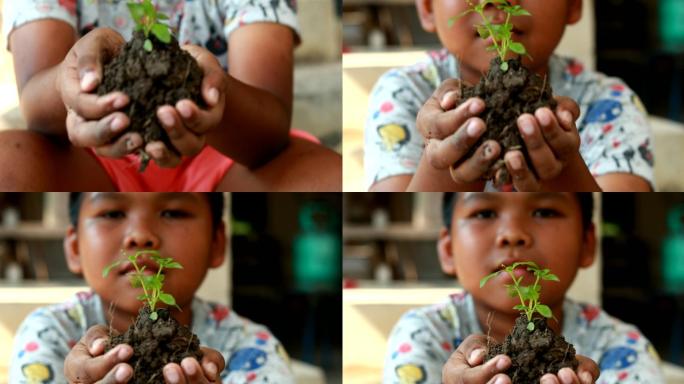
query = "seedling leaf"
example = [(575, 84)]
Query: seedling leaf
[(153, 316), (518, 48), (530, 326), (487, 278), (167, 299), (162, 33), (544, 310), (137, 12), (147, 45)]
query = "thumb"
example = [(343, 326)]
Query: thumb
[(89, 71)]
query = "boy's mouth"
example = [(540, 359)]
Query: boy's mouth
[(150, 267)]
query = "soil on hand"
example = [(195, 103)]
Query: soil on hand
[(163, 76), (535, 353), (155, 344), (507, 95)]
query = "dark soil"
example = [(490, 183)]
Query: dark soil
[(152, 79), (507, 95), (535, 353), (155, 344)]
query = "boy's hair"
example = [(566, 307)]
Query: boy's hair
[(215, 205), (586, 202)]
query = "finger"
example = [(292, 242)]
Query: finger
[(93, 368), (443, 153), (491, 368), (92, 107), (568, 376), (448, 94), (212, 363), (161, 155), (193, 371), (549, 379), (197, 120), (500, 379), (213, 80), (185, 141), (94, 133), (121, 373), (523, 178), (588, 367), (173, 374), (447, 122), (543, 159), (562, 143), (569, 105), (95, 339), (476, 167), (122, 146), (91, 51)]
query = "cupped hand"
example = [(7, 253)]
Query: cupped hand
[(86, 362), (190, 371), (465, 365)]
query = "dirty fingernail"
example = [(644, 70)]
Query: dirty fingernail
[(131, 144), (117, 124), (474, 129), (515, 162), (213, 96), (501, 363), (88, 80), (172, 376), (121, 374), (474, 355), (167, 119), (527, 127), (123, 353)]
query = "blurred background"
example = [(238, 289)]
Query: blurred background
[(282, 270), (390, 265), (317, 105), (640, 41)]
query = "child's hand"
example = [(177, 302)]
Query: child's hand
[(86, 364), (450, 133), (92, 120), (186, 124), (465, 364), (553, 143), (190, 371), (587, 373)]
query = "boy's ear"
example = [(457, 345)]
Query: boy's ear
[(574, 11), (589, 247), (446, 258), (71, 251), (426, 15), (218, 246)]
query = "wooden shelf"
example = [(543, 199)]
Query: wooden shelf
[(32, 231), (393, 232)]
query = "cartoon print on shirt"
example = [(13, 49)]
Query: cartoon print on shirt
[(247, 359), (618, 358), (393, 136), (37, 373), (216, 43), (411, 374), (603, 111)]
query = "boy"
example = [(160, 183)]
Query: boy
[(415, 135), (242, 141), (483, 231), (187, 227)]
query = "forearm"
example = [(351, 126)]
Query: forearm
[(41, 104), (429, 179), (255, 125)]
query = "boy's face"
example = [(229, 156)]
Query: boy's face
[(488, 230), (178, 225), (540, 33)]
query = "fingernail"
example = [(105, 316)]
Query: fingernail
[(132, 143), (211, 369), (446, 97), (527, 127), (565, 376), (213, 96), (500, 380), (172, 376), (475, 106), (475, 354), (88, 80), (167, 119), (474, 129), (185, 110), (586, 377), (543, 117), (117, 124), (121, 374), (119, 102), (546, 380), (488, 151), (123, 353), (189, 367), (515, 162), (566, 117), (501, 363), (97, 344)]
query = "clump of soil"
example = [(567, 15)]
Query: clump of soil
[(152, 79), (507, 95), (535, 353), (155, 344)]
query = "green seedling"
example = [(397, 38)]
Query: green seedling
[(150, 284), (147, 19), (501, 34), (528, 295)]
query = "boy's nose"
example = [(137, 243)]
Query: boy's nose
[(495, 15), (513, 237), (140, 238)]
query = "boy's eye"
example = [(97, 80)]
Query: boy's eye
[(112, 214), (175, 213), (545, 212), (484, 214)]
